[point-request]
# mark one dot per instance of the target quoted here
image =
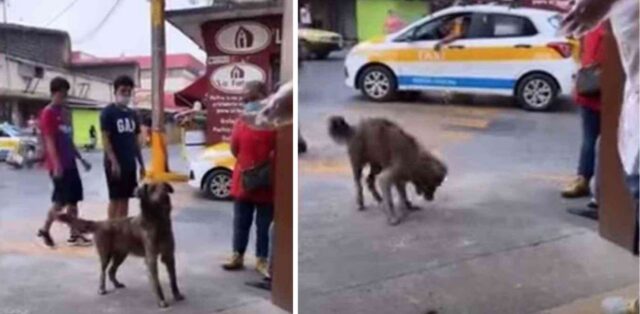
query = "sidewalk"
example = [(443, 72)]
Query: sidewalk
[(591, 305)]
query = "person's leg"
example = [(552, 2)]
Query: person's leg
[(590, 133), (43, 232), (112, 209), (242, 219), (264, 218), (579, 187)]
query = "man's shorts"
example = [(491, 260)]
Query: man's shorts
[(121, 187), (67, 190)]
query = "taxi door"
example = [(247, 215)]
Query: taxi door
[(497, 50), (421, 67), (7, 145)]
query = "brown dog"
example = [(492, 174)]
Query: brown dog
[(394, 155), (147, 235)]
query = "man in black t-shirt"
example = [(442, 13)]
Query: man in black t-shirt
[(120, 130)]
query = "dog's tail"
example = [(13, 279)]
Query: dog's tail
[(80, 225), (339, 129)]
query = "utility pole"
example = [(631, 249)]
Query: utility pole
[(159, 159), (4, 11)]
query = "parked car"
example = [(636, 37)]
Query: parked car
[(210, 171), (13, 140), (318, 43), (504, 51)]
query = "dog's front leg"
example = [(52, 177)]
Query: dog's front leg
[(152, 267), (170, 262), (402, 191), (386, 179)]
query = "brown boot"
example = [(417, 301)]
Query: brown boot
[(578, 188), (262, 266), (236, 262)]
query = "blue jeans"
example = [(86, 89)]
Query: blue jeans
[(590, 133), (243, 218)]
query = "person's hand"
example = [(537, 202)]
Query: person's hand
[(143, 173), (585, 15), (115, 169), (86, 165)]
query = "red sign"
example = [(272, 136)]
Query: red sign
[(238, 51)]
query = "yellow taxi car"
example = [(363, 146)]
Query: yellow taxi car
[(210, 171), (318, 43), (11, 138), (498, 50)]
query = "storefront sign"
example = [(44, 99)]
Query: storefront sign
[(238, 51)]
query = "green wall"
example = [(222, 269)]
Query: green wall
[(370, 14), (82, 119)]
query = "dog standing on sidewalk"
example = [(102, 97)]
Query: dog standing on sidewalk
[(393, 154), (147, 235)]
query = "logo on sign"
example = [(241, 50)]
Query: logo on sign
[(231, 78), (243, 38)]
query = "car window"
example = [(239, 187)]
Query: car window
[(512, 26), (435, 29)]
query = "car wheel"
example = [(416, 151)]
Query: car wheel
[(378, 83), (217, 184), (537, 92)]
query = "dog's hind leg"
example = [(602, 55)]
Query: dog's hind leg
[(386, 179), (170, 262), (118, 258), (104, 262), (357, 178), (371, 182), (152, 268)]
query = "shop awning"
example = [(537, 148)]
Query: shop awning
[(192, 93)]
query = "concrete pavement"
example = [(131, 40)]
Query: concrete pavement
[(497, 238), (36, 279)]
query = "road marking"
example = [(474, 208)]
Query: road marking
[(560, 178), (468, 123), (32, 248)]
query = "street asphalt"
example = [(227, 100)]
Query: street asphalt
[(496, 239), (36, 279)]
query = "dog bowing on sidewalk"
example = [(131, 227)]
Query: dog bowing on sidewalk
[(393, 154), (147, 235)]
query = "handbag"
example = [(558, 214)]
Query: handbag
[(257, 177), (588, 81)]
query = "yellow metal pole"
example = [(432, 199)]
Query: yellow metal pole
[(159, 160)]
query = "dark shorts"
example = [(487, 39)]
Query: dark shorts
[(67, 190), (123, 186)]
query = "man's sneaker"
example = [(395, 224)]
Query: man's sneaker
[(46, 237), (579, 187), (262, 266), (79, 240), (236, 262)]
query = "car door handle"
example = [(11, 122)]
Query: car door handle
[(456, 47), (523, 46)]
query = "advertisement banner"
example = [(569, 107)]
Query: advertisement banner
[(238, 51)]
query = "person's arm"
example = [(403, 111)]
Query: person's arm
[(106, 127), (138, 149), (585, 15), (455, 34), (48, 133)]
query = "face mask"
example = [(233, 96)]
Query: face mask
[(252, 107), (123, 100)]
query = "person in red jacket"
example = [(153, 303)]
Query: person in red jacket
[(592, 55), (252, 148)]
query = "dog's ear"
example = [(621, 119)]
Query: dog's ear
[(141, 191), (168, 188)]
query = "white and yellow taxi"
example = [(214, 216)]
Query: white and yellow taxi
[(11, 138), (210, 167), (501, 50)]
